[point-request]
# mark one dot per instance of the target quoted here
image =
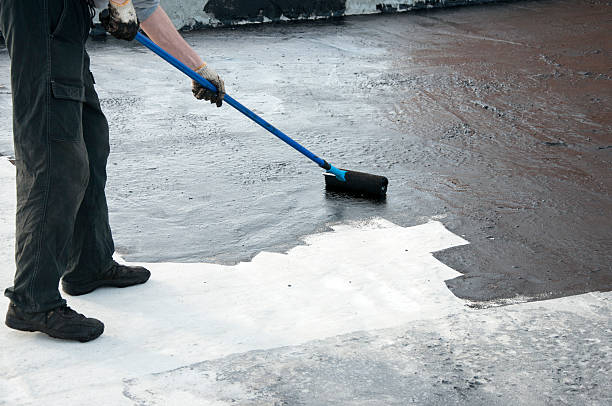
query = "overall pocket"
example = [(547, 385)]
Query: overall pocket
[(66, 112), (67, 18), (57, 10), (67, 40)]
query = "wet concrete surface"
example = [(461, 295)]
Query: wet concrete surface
[(494, 119), (508, 356)]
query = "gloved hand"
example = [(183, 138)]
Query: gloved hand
[(200, 92), (120, 19)]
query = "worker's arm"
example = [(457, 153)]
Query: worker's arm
[(159, 29), (121, 21)]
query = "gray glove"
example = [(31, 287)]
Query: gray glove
[(200, 92), (120, 20)]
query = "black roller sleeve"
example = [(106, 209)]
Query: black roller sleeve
[(359, 183)]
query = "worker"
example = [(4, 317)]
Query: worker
[(61, 148)]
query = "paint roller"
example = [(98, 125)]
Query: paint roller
[(341, 180)]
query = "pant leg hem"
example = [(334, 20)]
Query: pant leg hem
[(32, 308)]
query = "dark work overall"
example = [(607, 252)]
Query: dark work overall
[(61, 149)]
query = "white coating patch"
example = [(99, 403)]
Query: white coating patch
[(362, 276)]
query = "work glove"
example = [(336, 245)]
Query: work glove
[(120, 19), (200, 92)]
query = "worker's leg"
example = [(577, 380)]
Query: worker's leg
[(92, 265), (93, 242), (45, 40)]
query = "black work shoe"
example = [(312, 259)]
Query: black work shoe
[(118, 276), (61, 322)]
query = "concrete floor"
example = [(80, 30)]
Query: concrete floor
[(494, 121), (357, 316)]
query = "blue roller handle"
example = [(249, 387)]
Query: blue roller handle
[(340, 174)]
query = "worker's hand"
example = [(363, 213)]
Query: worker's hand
[(200, 92), (120, 19)]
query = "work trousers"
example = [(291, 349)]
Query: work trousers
[(61, 150)]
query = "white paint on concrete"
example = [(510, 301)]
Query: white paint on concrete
[(361, 276), (357, 279), (354, 7), (540, 353)]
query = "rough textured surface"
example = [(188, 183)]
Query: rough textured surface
[(512, 356), (377, 327), (189, 14), (494, 119)]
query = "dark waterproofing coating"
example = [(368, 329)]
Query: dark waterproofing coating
[(358, 183)]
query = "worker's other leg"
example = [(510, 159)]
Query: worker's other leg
[(93, 246), (92, 265), (45, 41)]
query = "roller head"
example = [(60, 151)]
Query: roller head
[(358, 183)]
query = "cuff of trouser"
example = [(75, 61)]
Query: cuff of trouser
[(29, 306), (84, 276)]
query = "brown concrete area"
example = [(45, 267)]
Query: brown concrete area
[(515, 104)]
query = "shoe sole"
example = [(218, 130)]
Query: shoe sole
[(91, 286), (29, 327)]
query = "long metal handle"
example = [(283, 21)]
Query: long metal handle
[(234, 103)]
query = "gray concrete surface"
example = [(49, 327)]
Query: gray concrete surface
[(495, 119), (518, 355)]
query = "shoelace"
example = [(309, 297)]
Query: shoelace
[(113, 270), (65, 311)]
